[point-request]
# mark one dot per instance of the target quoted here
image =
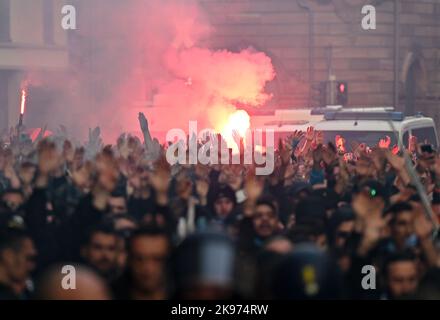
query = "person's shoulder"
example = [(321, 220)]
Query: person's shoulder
[(120, 287), (7, 294)]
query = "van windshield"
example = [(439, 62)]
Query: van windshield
[(371, 138)]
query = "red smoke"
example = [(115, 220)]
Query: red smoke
[(140, 53)]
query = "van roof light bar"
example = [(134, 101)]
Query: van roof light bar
[(353, 115)]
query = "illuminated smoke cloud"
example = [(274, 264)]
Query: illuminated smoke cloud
[(134, 52)]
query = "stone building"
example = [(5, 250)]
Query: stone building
[(31, 39), (310, 40)]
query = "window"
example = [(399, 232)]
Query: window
[(370, 138), (425, 135), (4, 21)]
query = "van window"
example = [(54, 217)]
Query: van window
[(370, 138), (425, 135)]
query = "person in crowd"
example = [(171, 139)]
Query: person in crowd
[(54, 284), (145, 277), (401, 276), (139, 224), (17, 261), (100, 251), (204, 268)]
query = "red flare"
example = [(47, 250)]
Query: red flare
[(23, 101)]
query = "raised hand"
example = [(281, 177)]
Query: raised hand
[(253, 186), (123, 149), (61, 132), (319, 137), (94, 144), (234, 178), (285, 155), (412, 144), (340, 143), (184, 188), (373, 231), (96, 133), (436, 168), (160, 178), (143, 122), (40, 134), (12, 175), (202, 188), (310, 133), (358, 148), (68, 152), (397, 162), (317, 155), (294, 139), (108, 170), (422, 226), (385, 143)]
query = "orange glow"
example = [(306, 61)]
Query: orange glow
[(23, 101), (340, 143), (34, 132), (238, 121)]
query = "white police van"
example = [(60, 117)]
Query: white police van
[(369, 125), (285, 121), (363, 125)]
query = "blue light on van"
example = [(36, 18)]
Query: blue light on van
[(393, 116)]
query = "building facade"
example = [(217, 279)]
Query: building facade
[(31, 39), (311, 40)]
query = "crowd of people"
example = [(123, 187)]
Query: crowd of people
[(331, 221)]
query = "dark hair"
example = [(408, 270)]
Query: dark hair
[(222, 191), (119, 191), (311, 208), (429, 287), (28, 164), (341, 215), (148, 231), (397, 208), (12, 238), (105, 228), (436, 198), (13, 190), (268, 201), (307, 232), (398, 257)]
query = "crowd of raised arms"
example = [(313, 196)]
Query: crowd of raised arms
[(332, 221)]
